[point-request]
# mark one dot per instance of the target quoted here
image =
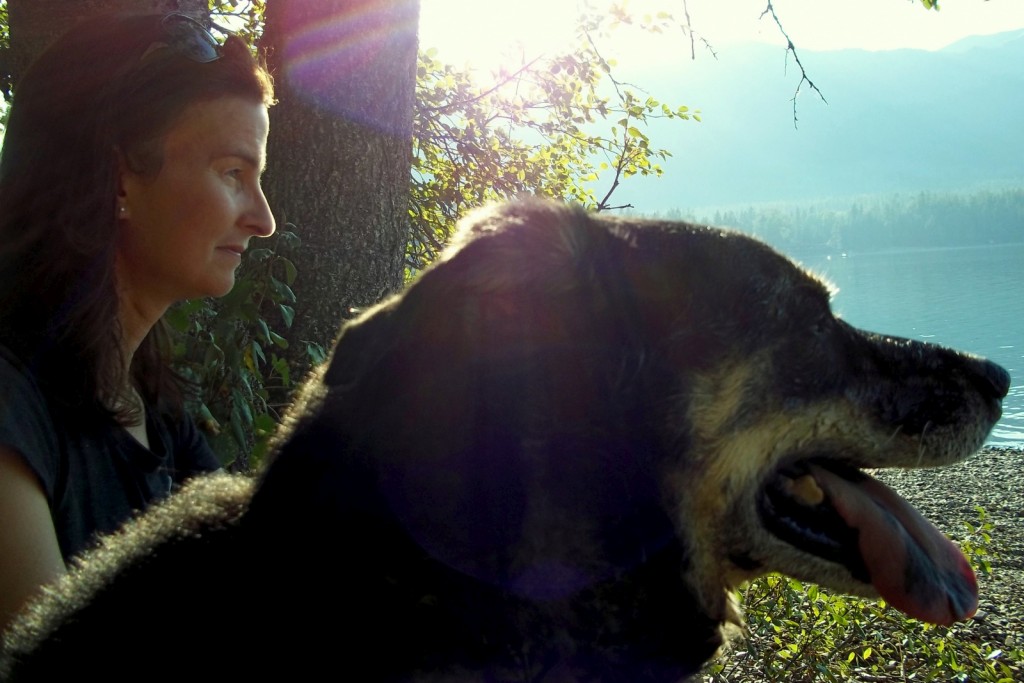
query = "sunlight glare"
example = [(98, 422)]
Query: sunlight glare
[(488, 35)]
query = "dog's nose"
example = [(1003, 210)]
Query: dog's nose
[(995, 379)]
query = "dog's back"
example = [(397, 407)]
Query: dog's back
[(300, 585)]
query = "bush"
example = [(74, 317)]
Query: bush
[(231, 351)]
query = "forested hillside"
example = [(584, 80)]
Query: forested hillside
[(875, 223)]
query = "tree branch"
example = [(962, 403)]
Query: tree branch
[(620, 166), (688, 31), (790, 47)]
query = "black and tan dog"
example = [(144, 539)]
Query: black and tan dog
[(549, 459)]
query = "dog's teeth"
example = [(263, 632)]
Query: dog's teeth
[(804, 490)]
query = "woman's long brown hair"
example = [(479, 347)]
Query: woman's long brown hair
[(84, 102)]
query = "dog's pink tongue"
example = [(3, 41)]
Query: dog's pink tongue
[(912, 564)]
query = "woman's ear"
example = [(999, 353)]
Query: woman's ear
[(123, 209)]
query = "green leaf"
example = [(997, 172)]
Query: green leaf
[(280, 366), (279, 340), (237, 430), (264, 425), (287, 314), (259, 255), (257, 351), (316, 353), (282, 291), (290, 271), (213, 356)]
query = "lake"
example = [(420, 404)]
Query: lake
[(971, 299)]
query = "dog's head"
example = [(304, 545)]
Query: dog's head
[(564, 397)]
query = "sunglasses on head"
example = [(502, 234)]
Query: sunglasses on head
[(188, 38)]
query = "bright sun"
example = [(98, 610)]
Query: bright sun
[(487, 35)]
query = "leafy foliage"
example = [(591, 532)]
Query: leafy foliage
[(799, 632), (556, 126), (244, 17), (5, 45), (229, 348)]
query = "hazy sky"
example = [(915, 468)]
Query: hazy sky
[(478, 30)]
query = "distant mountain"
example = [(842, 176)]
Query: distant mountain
[(985, 42), (902, 120)]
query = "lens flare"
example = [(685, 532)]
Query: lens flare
[(339, 60)]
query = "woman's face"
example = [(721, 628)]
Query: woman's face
[(182, 232)]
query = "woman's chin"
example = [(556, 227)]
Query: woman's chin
[(215, 288)]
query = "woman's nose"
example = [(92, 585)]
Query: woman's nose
[(260, 218)]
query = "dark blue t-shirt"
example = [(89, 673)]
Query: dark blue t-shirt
[(94, 477)]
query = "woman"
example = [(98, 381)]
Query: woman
[(129, 179)]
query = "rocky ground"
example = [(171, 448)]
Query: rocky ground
[(994, 481)]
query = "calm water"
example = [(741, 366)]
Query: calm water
[(970, 299)]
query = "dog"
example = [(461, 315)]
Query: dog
[(551, 458)]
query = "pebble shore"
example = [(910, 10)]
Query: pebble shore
[(993, 480)]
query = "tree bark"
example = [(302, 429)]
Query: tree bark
[(339, 154), (34, 24)]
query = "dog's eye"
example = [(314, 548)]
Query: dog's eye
[(822, 323)]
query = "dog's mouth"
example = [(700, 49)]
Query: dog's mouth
[(845, 516)]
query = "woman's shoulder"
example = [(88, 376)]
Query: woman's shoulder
[(26, 423)]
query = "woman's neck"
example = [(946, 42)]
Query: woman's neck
[(135, 325), (136, 321), (138, 312)]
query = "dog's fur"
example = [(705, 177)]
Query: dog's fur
[(548, 459)]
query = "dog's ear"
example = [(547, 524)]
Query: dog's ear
[(501, 266), (518, 279), (543, 273), (363, 342)]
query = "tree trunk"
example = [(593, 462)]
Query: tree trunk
[(339, 154), (34, 24)]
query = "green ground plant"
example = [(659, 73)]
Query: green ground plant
[(800, 633), (231, 350)]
